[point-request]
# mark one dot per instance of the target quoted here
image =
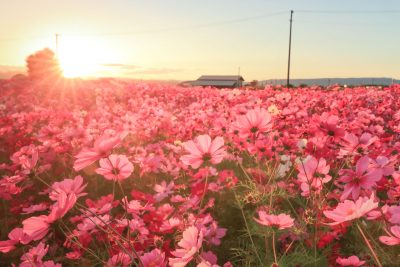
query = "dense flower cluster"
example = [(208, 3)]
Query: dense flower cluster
[(112, 173)]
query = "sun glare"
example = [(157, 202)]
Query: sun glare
[(81, 57)]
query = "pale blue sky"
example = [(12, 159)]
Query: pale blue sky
[(183, 39)]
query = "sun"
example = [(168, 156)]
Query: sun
[(81, 57)]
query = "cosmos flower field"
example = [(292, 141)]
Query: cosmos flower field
[(114, 173)]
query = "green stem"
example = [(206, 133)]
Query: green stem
[(369, 245), (204, 192), (247, 229), (273, 247)]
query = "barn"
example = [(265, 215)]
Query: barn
[(218, 81)]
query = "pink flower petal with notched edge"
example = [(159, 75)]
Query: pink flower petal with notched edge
[(282, 221), (102, 146), (350, 210), (189, 245), (36, 227)]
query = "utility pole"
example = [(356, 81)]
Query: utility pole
[(238, 78), (290, 45), (57, 35)]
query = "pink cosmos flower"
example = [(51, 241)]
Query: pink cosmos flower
[(328, 125), (135, 206), (7, 245), (282, 221), (102, 146), (15, 236), (313, 173), (115, 167), (169, 224), (51, 264), (8, 185), (62, 206), (203, 150), (205, 263), (362, 178), (350, 261), (119, 260), (352, 145), (392, 239), (209, 258), (214, 234), (73, 255), (349, 210), (90, 223), (69, 186), (34, 256), (255, 121), (163, 190), (136, 225), (384, 164), (189, 245), (154, 258), (394, 214), (18, 234), (27, 157), (36, 227), (34, 208)]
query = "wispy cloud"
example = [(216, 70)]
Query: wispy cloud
[(127, 70), (154, 71), (119, 66)]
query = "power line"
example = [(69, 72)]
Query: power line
[(195, 26), (372, 12), (162, 30), (217, 23)]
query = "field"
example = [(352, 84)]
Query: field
[(113, 173)]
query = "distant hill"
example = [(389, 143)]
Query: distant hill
[(329, 81), (7, 72)]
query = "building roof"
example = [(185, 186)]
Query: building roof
[(221, 78), (214, 83)]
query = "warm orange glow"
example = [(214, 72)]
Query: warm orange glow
[(82, 57)]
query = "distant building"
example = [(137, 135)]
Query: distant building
[(218, 81)]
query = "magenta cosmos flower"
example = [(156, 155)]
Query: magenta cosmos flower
[(202, 149), (115, 167), (282, 221), (350, 210), (190, 244), (255, 121), (362, 178), (350, 261)]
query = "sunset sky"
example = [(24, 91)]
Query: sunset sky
[(183, 39)]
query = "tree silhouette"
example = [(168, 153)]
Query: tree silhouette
[(43, 66)]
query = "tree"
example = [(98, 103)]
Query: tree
[(254, 83), (43, 66)]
